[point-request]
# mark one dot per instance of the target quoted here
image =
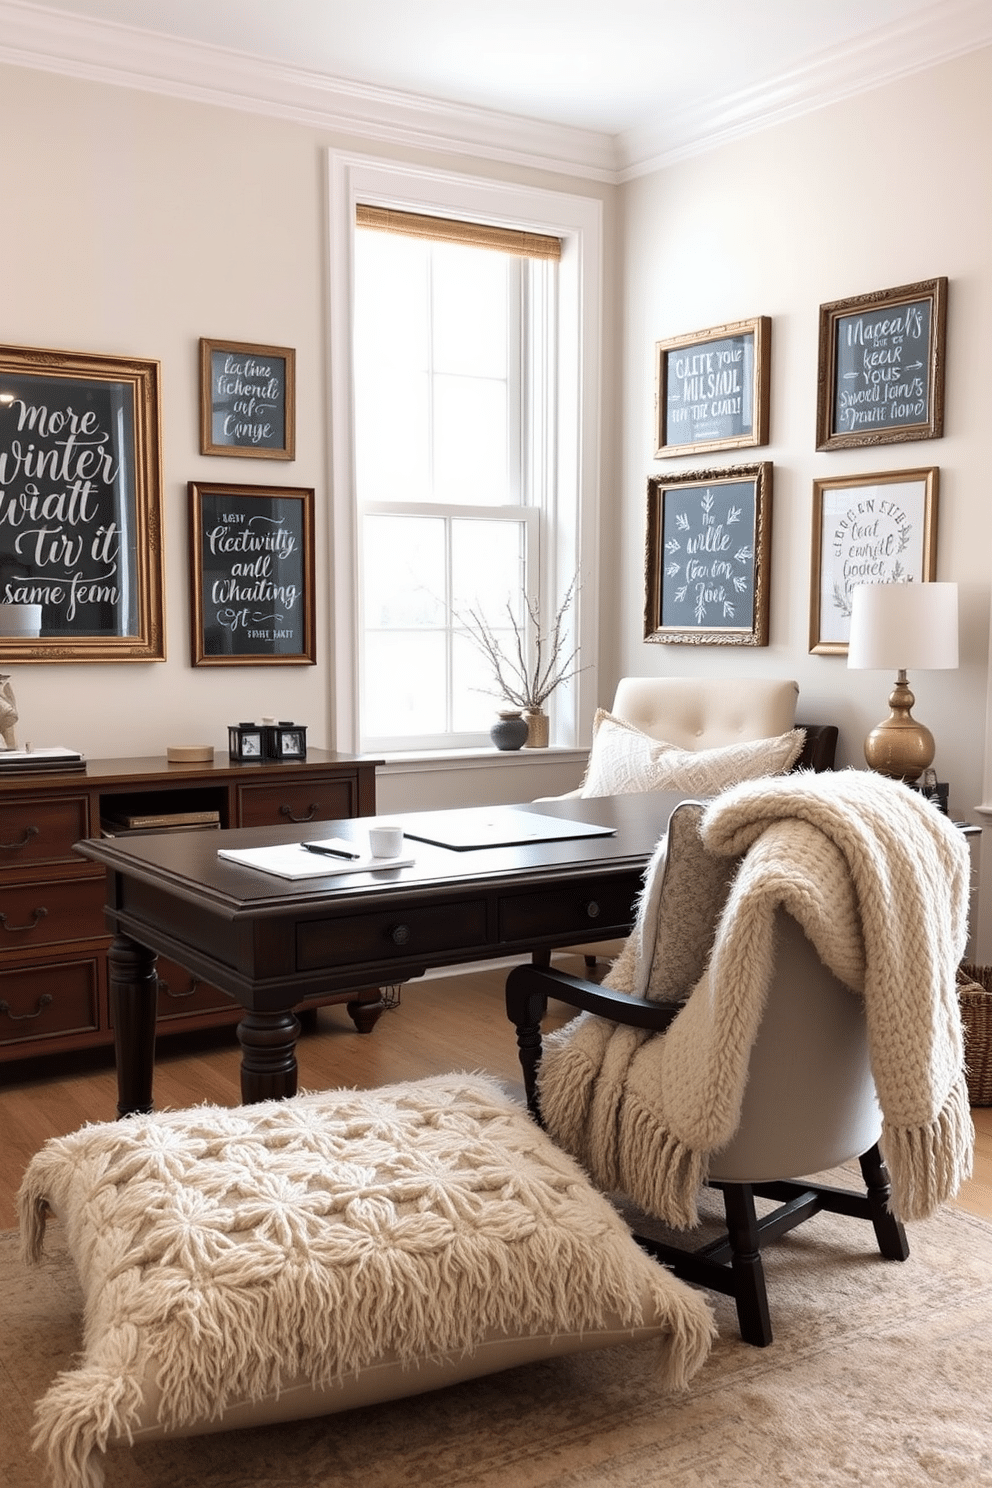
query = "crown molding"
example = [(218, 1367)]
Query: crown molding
[(945, 30), (124, 56)]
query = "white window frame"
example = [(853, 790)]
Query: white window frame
[(573, 514)]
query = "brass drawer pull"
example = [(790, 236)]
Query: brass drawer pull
[(29, 832), (43, 1001), (193, 988), (36, 915), (287, 811)]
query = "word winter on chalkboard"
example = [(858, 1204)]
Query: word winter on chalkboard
[(708, 545), (712, 389), (247, 400), (881, 367), (253, 572), (80, 492)]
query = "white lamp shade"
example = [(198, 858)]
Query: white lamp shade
[(903, 627), (20, 619)]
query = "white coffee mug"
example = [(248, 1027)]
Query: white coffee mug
[(385, 841)]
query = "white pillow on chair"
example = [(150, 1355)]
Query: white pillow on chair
[(623, 759)]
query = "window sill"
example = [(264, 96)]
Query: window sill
[(410, 761)]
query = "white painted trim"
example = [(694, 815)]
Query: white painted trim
[(126, 56), (578, 220)]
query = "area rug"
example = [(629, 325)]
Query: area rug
[(879, 1374)]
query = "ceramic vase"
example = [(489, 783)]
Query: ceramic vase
[(537, 728), (509, 731)]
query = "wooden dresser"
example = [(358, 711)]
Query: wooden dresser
[(53, 940)]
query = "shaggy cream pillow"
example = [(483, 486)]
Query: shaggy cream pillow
[(309, 1255), (624, 759)]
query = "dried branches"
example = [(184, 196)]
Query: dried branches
[(539, 660)]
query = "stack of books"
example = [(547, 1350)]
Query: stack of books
[(133, 823), (27, 761)]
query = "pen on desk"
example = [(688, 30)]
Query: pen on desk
[(330, 852)]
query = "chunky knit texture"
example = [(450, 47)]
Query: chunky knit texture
[(878, 880), (228, 1251)]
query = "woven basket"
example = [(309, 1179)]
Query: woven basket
[(975, 996)]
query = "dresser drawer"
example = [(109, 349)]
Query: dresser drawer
[(276, 804), (181, 994), (41, 1002), (48, 913), (39, 831), (580, 909), (406, 933)]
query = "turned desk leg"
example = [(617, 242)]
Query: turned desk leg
[(133, 1006), (268, 1055)]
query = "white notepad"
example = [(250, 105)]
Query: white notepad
[(291, 860)]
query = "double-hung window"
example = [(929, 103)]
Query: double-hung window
[(466, 453)]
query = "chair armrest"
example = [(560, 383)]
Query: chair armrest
[(820, 747), (528, 988)]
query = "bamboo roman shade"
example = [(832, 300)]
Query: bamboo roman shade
[(450, 230)]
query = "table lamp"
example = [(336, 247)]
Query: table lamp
[(905, 627)]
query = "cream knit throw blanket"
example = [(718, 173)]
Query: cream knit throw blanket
[(878, 880)]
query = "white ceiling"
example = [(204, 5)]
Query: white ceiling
[(654, 77)]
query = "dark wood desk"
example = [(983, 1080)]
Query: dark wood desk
[(272, 943)]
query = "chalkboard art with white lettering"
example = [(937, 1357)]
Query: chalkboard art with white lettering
[(247, 400), (881, 367), (80, 522), (252, 563), (707, 558), (712, 389)]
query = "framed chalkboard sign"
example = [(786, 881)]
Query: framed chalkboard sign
[(712, 389), (867, 529), (247, 400), (252, 570), (80, 504), (708, 554), (881, 367)]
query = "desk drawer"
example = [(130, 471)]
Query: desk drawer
[(42, 830), (270, 805), (581, 908), (40, 1003), (400, 933), (47, 913)]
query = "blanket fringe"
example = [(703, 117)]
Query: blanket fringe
[(660, 1173), (928, 1163)]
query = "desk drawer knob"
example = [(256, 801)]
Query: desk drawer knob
[(592, 910), (400, 935), (29, 832), (45, 1000), (308, 816)]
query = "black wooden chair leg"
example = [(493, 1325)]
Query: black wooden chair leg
[(750, 1293), (889, 1233)]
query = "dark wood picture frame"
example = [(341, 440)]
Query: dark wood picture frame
[(880, 375), (81, 484), (708, 555), (247, 400), (712, 389), (867, 531), (252, 574)]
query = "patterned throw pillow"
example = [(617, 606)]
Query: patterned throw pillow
[(623, 759), (679, 911)]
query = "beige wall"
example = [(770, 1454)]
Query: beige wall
[(885, 189), (135, 224)]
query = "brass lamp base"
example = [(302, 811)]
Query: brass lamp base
[(900, 747)]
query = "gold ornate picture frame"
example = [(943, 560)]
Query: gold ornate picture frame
[(81, 504), (708, 555), (712, 389), (247, 400), (880, 375)]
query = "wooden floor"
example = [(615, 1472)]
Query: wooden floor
[(444, 1023)]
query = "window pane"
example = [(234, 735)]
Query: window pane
[(470, 288), (475, 697), (404, 568), (470, 453), (405, 683)]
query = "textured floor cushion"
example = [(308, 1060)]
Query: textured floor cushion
[(295, 1257)]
